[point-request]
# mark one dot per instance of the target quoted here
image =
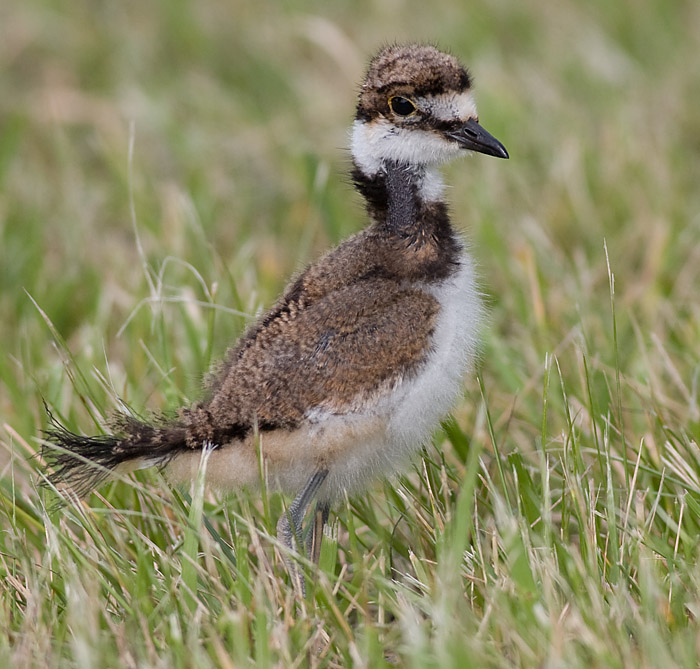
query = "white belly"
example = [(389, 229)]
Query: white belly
[(414, 410), (429, 396)]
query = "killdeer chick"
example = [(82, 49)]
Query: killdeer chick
[(353, 368)]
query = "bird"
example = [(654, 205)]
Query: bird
[(350, 372)]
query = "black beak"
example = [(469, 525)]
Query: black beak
[(473, 137)]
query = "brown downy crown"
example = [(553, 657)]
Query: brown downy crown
[(409, 71)]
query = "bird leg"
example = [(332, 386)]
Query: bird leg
[(313, 544), (290, 522)]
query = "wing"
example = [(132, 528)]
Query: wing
[(334, 354)]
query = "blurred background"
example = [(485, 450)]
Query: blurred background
[(165, 166)]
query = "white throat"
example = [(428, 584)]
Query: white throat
[(378, 142), (381, 141)]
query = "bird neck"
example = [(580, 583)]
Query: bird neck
[(400, 197), (406, 206)]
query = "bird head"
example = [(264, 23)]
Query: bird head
[(416, 109)]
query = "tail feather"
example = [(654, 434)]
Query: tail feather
[(82, 463)]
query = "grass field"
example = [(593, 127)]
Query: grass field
[(165, 166)]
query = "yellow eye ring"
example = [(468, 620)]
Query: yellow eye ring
[(402, 106)]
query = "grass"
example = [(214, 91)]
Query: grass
[(165, 166)]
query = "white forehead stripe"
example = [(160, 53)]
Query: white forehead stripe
[(449, 106)]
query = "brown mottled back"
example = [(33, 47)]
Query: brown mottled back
[(345, 328)]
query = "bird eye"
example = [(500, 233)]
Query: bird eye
[(401, 106)]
